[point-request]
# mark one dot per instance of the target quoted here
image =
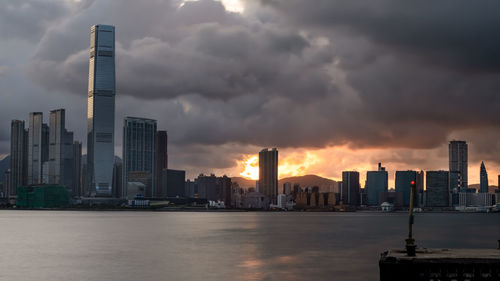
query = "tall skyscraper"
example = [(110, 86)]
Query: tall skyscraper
[(376, 182), (350, 191), (77, 189), (18, 157), (403, 185), (38, 134), (101, 110), (437, 189), (268, 173), (161, 162), (483, 181), (139, 151), (458, 156), (61, 163)]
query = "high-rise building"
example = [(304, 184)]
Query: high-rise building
[(350, 191), (437, 189), (483, 180), (77, 189), (18, 157), (38, 148), (139, 151), (176, 181), (118, 179), (61, 165), (458, 156), (287, 188), (268, 173), (403, 185), (161, 162), (101, 110), (376, 182)]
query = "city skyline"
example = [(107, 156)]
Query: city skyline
[(204, 118)]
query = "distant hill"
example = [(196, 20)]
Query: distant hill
[(491, 188), (324, 184), (243, 182), (4, 166)]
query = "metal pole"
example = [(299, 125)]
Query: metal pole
[(410, 242)]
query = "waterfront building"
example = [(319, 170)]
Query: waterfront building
[(268, 173), (376, 182), (287, 188), (60, 165), (483, 181), (101, 110), (458, 160), (38, 148), (18, 157), (437, 189), (255, 200), (139, 151), (403, 185), (350, 191), (392, 197), (214, 188), (469, 199), (161, 162), (42, 196), (118, 179), (176, 181), (77, 189)]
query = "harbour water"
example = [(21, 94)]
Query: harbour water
[(130, 246)]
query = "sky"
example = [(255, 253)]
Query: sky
[(333, 84)]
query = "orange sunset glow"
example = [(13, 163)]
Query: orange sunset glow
[(331, 161)]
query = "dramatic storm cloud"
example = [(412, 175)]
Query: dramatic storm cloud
[(350, 82)]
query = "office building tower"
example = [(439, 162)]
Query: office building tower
[(60, 151), (268, 173), (437, 189), (403, 185), (101, 110), (350, 191), (18, 157), (77, 189), (176, 181), (458, 156), (455, 181), (287, 188), (139, 152), (161, 162), (376, 182), (38, 138), (483, 180), (118, 179)]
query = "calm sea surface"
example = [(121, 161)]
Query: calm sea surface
[(76, 246)]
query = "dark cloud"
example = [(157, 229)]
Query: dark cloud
[(456, 34), (290, 73)]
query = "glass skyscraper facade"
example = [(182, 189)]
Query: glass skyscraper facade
[(60, 150), (139, 153), (38, 148), (376, 182), (18, 156), (101, 110)]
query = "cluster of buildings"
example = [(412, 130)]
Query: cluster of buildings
[(47, 155), (443, 189)]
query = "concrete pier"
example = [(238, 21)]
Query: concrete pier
[(440, 264)]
